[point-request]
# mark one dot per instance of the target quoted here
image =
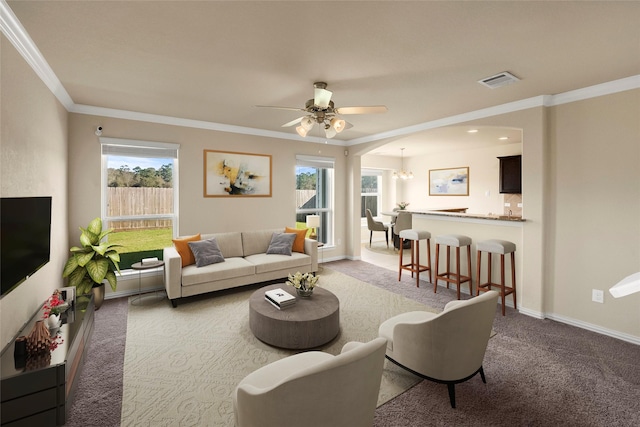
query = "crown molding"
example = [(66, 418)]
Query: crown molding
[(608, 88), (20, 39)]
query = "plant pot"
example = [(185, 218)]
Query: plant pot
[(98, 295)]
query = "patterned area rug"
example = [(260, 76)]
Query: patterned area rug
[(182, 365)]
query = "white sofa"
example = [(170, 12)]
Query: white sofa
[(245, 262)]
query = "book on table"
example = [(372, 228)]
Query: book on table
[(279, 298)]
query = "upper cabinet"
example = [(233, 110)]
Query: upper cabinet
[(511, 174)]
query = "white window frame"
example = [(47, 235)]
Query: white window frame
[(143, 149), (327, 163), (377, 173)]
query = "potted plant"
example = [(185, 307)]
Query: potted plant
[(93, 262)]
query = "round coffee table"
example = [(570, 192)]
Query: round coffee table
[(309, 323)]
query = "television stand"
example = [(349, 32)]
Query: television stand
[(42, 396)]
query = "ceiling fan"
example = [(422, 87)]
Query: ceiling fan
[(321, 110)]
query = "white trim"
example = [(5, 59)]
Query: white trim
[(524, 104), (595, 91), (190, 123), (138, 143), (20, 39), (594, 328)]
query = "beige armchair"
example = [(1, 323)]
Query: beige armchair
[(374, 225), (448, 347), (314, 389)]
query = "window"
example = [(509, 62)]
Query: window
[(370, 195), (314, 194), (139, 196)]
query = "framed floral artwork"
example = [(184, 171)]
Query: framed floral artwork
[(231, 174)]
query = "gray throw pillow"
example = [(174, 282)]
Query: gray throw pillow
[(206, 252), (281, 243)]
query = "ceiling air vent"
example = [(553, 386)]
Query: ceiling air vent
[(498, 80)]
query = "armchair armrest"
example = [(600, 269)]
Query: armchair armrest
[(172, 272)]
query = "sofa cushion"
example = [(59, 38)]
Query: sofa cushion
[(257, 242), (266, 263), (298, 244), (281, 244), (230, 268), (206, 252), (182, 246), (230, 244)]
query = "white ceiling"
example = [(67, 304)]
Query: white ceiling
[(213, 61)]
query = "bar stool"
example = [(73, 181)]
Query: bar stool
[(501, 247), (414, 267), (457, 241)]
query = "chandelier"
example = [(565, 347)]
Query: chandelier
[(402, 174)]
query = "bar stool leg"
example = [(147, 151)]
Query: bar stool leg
[(429, 258), (513, 278), (435, 283), (417, 247), (469, 270), (458, 270), (478, 263), (502, 289), (448, 266), (400, 268)]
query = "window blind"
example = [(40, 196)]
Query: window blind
[(134, 148)]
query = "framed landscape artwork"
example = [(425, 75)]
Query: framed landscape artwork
[(449, 182), (230, 174)]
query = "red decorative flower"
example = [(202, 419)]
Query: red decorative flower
[(51, 305)]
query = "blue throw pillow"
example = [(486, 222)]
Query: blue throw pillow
[(281, 243)]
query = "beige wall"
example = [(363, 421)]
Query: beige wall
[(33, 162), (595, 187), (197, 213)]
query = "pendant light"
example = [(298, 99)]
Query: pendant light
[(402, 174)]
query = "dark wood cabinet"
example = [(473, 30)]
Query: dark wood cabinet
[(41, 396), (511, 174)]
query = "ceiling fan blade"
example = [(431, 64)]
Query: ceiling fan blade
[(347, 125), (293, 122), (321, 97), (280, 108), (374, 109)]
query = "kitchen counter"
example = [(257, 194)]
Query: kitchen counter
[(463, 215)]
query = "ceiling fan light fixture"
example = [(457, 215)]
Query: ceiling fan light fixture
[(330, 132), (338, 124), (307, 123), (302, 131)]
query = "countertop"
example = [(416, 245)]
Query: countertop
[(492, 217)]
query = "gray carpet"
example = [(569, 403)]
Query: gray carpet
[(539, 372)]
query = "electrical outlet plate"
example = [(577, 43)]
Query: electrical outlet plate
[(597, 295)]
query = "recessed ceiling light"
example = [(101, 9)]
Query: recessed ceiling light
[(503, 138), (472, 131)]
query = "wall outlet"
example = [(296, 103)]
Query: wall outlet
[(519, 205), (597, 295), (507, 205)]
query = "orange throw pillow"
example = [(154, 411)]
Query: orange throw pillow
[(182, 246), (298, 244)]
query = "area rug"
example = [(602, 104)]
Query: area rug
[(182, 365)]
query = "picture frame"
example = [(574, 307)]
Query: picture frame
[(235, 174), (449, 182)]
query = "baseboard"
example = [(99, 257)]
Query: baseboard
[(594, 328)]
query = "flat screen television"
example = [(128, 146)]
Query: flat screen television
[(25, 238)]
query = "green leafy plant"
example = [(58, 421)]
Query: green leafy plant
[(94, 261)]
